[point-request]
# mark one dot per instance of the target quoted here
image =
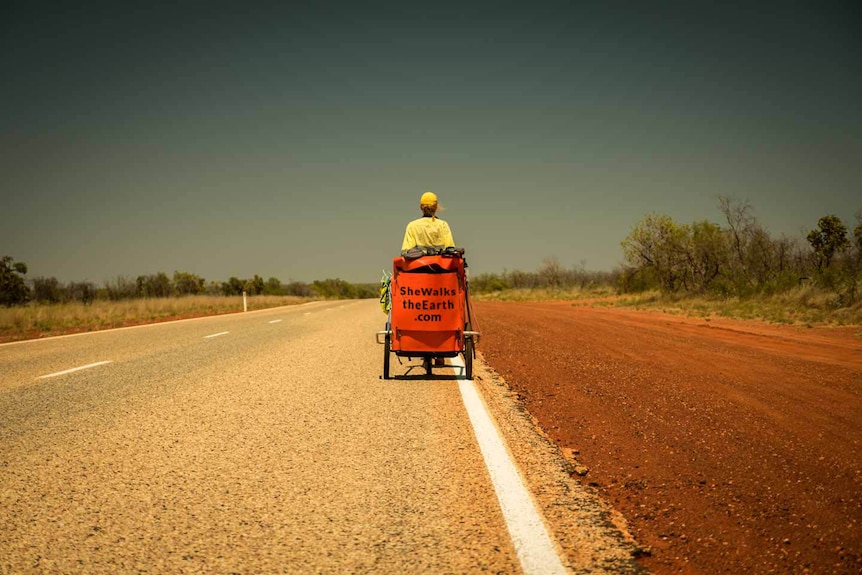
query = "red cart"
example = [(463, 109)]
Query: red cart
[(429, 316)]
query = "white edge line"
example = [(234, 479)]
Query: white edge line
[(216, 334), (64, 372), (533, 544), (275, 321)]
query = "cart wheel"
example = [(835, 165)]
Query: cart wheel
[(387, 345), (468, 351), (468, 357)]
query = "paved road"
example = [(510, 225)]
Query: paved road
[(258, 442)]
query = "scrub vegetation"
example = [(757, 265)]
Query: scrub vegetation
[(45, 306), (40, 320), (734, 269)]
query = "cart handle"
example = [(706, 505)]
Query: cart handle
[(382, 333)]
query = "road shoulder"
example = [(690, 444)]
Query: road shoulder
[(592, 536)]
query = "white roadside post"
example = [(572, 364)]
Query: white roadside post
[(244, 302)]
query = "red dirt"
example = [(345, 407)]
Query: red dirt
[(729, 446)]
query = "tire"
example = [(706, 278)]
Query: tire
[(468, 352), (387, 347)]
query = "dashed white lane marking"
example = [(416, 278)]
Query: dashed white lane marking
[(216, 334), (533, 544), (275, 321), (64, 372)]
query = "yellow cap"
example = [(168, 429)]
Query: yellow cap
[(428, 199)]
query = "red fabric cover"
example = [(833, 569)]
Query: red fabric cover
[(428, 309)]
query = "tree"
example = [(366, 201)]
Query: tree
[(254, 286), (154, 285), (741, 223), (188, 284), (273, 286), (334, 289), (551, 271), (13, 290), (744, 232), (857, 231), (121, 288), (488, 282), (300, 289), (829, 238), (84, 292), (706, 254), (658, 243), (47, 290), (233, 286)]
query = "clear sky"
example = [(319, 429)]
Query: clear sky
[(294, 141)]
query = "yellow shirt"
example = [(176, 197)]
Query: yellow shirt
[(427, 232)]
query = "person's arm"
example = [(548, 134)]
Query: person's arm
[(448, 240), (409, 240)]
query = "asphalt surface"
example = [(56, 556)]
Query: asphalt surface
[(264, 442)]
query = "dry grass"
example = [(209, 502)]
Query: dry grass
[(800, 306), (543, 294), (45, 320)]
